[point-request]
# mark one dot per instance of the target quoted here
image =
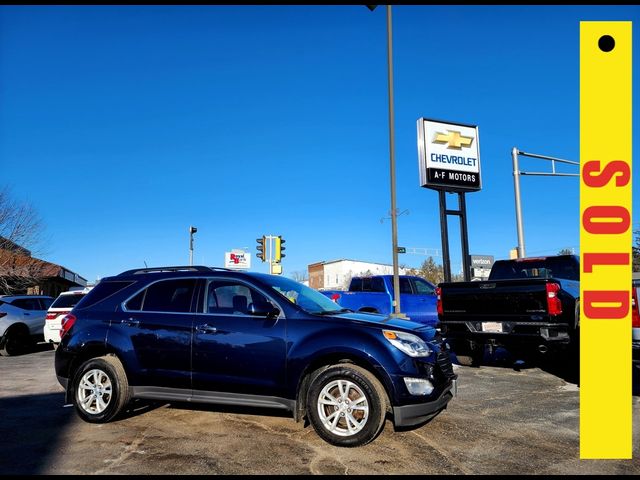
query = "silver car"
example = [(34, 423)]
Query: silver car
[(21, 321)]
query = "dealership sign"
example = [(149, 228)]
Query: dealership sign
[(237, 259), (449, 156)]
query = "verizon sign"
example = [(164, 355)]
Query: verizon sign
[(238, 259), (448, 156)]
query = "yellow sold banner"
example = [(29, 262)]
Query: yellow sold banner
[(605, 240)]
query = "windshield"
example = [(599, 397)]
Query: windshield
[(306, 298)]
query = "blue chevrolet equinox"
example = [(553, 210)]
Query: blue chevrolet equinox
[(202, 334)]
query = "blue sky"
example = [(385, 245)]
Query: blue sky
[(123, 126)]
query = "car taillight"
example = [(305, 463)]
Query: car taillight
[(67, 322), (335, 297), (554, 305), (635, 308), (54, 315), (439, 300)]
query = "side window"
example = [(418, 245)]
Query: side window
[(423, 288), (136, 302), (233, 298), (100, 292), (405, 285), (45, 303), (27, 303), (377, 284), (168, 296), (356, 285), (366, 284)]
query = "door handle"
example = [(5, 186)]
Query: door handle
[(130, 322), (206, 329), (26, 313)]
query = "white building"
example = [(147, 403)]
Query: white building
[(336, 274)]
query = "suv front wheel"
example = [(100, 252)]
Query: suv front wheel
[(346, 405), (101, 389)]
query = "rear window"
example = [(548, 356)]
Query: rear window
[(67, 301), (102, 291), (550, 267)]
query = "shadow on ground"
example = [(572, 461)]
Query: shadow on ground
[(31, 427)]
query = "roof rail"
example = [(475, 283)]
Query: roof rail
[(187, 268)]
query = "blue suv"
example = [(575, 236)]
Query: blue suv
[(212, 335)]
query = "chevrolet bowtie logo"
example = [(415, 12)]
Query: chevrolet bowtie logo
[(453, 139)]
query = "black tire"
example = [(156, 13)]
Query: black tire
[(356, 382), (107, 372), (15, 342)]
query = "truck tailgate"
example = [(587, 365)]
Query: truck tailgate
[(523, 300)]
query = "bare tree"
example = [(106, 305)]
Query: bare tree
[(21, 231), (300, 276)]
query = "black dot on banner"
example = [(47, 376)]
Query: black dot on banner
[(606, 43)]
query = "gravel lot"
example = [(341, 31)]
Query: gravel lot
[(502, 422)]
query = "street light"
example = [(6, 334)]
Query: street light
[(192, 230), (392, 168)]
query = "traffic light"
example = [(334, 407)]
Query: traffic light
[(279, 249), (261, 248)]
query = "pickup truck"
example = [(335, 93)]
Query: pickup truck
[(527, 305), (375, 295)]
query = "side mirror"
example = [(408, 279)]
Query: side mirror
[(264, 310)]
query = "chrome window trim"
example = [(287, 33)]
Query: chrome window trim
[(208, 280)]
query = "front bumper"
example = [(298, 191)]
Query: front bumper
[(409, 415)]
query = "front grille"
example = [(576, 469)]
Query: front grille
[(445, 366)]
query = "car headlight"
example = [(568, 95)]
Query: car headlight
[(410, 344)]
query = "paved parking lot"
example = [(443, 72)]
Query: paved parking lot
[(502, 422)]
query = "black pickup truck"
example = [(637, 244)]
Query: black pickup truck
[(528, 305)]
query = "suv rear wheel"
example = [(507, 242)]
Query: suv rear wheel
[(101, 389), (346, 405), (16, 340)]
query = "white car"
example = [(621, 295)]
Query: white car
[(21, 321), (58, 309)]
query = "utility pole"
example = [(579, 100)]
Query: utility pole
[(192, 230)]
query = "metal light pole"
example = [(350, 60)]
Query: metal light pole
[(392, 167), (192, 230), (515, 153), (516, 188)]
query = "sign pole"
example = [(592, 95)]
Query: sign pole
[(444, 234), (464, 237)]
